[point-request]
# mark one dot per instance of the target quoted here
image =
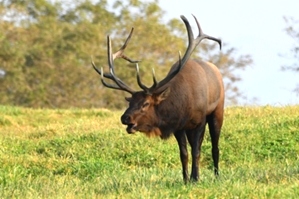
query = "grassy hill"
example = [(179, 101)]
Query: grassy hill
[(78, 153)]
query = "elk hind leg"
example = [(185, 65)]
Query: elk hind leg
[(215, 123)]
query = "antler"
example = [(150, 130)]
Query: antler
[(156, 87), (192, 44), (120, 85)]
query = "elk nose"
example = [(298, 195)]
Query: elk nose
[(125, 119)]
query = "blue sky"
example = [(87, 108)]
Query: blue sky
[(253, 27)]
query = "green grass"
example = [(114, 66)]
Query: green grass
[(80, 153)]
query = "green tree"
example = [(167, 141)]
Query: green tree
[(46, 49), (50, 53)]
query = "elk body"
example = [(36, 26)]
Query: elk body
[(188, 98)]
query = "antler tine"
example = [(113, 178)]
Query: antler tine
[(120, 85), (141, 85), (99, 71), (155, 83), (123, 87), (157, 87), (119, 53), (154, 78), (205, 36), (106, 84)]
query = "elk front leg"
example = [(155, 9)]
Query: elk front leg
[(195, 138), (182, 142)]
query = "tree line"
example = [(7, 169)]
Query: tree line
[(46, 49)]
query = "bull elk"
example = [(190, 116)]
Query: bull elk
[(188, 98)]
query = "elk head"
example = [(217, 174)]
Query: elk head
[(141, 114)]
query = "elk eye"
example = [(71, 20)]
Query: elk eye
[(145, 105)]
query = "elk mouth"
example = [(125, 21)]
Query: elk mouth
[(131, 128)]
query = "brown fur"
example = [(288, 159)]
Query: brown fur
[(194, 97)]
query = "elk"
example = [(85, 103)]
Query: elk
[(189, 97)]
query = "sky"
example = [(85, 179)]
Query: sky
[(254, 27)]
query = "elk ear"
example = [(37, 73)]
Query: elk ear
[(159, 97), (128, 99)]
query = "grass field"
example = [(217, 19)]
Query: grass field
[(78, 153)]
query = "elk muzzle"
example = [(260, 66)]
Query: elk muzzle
[(126, 119)]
